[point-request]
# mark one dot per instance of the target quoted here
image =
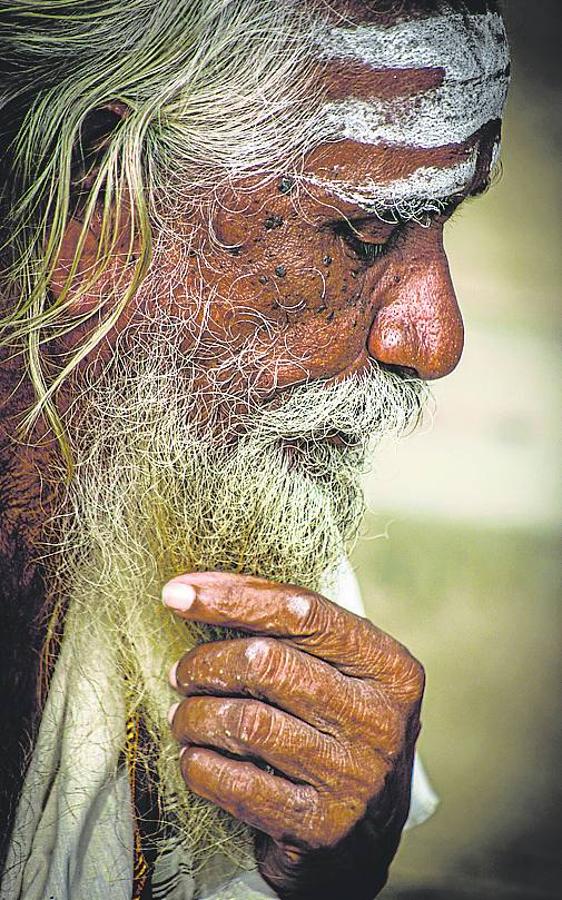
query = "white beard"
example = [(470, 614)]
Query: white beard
[(157, 493)]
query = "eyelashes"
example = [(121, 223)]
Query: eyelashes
[(366, 251)]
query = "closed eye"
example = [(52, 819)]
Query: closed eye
[(367, 249)]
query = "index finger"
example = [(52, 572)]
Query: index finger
[(301, 617)]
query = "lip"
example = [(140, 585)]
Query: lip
[(295, 446), (341, 440)]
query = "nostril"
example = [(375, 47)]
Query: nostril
[(402, 371)]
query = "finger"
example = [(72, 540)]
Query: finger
[(250, 728), (302, 617), (270, 669), (287, 812)]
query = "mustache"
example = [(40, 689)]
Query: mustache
[(356, 410), (155, 384)]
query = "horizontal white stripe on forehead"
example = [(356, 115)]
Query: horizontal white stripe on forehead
[(472, 50), (445, 115), (466, 47), (431, 182)]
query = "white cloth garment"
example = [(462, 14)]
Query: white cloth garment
[(73, 834)]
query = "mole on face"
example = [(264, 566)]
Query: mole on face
[(286, 185), (273, 222), (294, 269)]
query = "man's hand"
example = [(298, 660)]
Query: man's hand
[(328, 701)]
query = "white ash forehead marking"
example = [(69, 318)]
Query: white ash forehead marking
[(471, 50), (466, 47), (433, 182), (444, 115)]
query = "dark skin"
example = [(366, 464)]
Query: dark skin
[(327, 700), (322, 695)]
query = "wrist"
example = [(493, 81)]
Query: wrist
[(356, 867)]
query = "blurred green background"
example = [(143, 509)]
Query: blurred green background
[(459, 558)]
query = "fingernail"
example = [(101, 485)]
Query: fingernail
[(172, 676), (172, 712), (182, 751), (178, 595)]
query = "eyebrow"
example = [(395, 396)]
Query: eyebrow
[(413, 209), (416, 209), (424, 191), (421, 209)]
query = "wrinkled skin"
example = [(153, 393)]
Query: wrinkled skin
[(327, 700), (289, 268), (321, 695), (321, 297)]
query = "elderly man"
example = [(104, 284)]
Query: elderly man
[(223, 279)]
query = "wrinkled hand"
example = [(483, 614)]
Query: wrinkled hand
[(327, 700)]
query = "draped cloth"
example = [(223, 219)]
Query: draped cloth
[(74, 836)]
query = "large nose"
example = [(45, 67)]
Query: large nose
[(417, 322)]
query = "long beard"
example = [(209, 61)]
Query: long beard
[(161, 490)]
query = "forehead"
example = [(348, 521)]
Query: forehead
[(430, 87)]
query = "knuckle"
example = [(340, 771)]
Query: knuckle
[(388, 732), (264, 658), (237, 788), (242, 794), (302, 815), (405, 675), (413, 677), (253, 724), (259, 650), (314, 617), (301, 605), (301, 802)]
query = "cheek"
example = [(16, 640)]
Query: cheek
[(286, 273), (308, 316), (291, 289)]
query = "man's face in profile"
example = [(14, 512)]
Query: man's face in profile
[(292, 318), (338, 263)]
